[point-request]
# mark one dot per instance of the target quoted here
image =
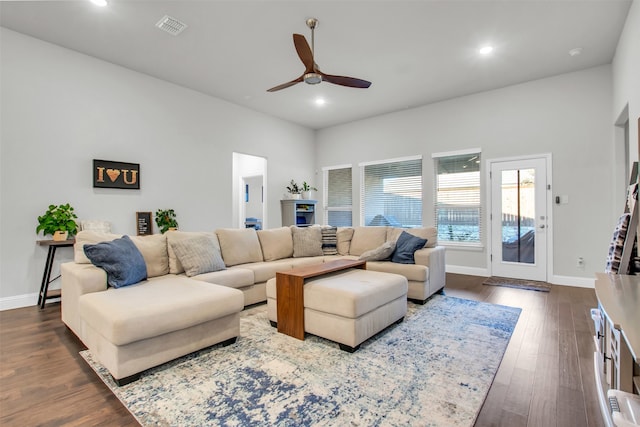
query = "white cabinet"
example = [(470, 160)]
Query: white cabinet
[(617, 337)]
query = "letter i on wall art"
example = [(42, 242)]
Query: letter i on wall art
[(108, 174)]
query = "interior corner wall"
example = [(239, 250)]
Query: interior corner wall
[(626, 80), (60, 109), (568, 116)]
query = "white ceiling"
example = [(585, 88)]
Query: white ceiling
[(414, 52)]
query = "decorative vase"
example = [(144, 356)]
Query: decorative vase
[(306, 195), (59, 236), (296, 196)]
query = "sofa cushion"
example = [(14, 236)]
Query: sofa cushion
[(367, 238), (413, 272), (173, 236), (154, 251), (199, 255), (239, 245), (429, 233), (155, 307), (263, 271), (121, 259), (329, 240), (344, 236), (89, 237), (406, 245), (235, 277), (307, 241), (381, 253), (276, 243)]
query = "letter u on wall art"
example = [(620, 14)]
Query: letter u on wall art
[(108, 174)]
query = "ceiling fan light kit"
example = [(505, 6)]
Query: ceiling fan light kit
[(312, 74)]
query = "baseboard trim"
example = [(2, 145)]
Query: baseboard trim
[(18, 301), (470, 271), (579, 282)]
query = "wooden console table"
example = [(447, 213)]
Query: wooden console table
[(290, 293), (43, 295)]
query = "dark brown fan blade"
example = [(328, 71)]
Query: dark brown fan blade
[(346, 81), (286, 85), (304, 51)]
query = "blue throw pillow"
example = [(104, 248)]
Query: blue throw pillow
[(121, 259), (406, 245)]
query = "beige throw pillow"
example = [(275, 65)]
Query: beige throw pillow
[(276, 243), (174, 236), (307, 241), (199, 255), (381, 253), (239, 245)]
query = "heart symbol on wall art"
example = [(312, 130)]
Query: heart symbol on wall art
[(113, 174)]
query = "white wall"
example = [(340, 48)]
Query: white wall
[(566, 115), (61, 109), (626, 72)]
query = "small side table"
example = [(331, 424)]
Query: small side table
[(46, 276)]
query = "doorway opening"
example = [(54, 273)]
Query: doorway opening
[(249, 191)]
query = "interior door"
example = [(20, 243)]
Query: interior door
[(519, 220)]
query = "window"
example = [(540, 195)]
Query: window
[(391, 192), (457, 198), (337, 196)]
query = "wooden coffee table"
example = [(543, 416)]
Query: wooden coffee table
[(290, 293)]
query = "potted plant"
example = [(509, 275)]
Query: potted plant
[(58, 221), (166, 220), (306, 190), (294, 190)]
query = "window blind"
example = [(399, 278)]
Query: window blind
[(391, 192), (338, 196)]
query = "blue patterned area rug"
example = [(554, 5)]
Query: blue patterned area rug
[(433, 369)]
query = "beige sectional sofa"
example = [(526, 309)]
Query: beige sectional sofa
[(109, 322)]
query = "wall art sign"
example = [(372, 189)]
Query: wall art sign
[(144, 224), (108, 174)]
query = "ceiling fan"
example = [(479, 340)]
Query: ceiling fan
[(312, 74)]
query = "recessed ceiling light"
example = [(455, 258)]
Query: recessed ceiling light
[(575, 52), (485, 50), (320, 101), (101, 3)]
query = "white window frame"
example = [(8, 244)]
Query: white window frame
[(325, 193), (379, 162), (461, 245)]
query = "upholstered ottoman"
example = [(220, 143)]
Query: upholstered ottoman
[(137, 327), (348, 306)]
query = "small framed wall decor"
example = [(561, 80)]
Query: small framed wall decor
[(144, 224), (109, 174)]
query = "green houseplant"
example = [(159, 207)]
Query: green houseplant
[(294, 190), (306, 190), (166, 220), (58, 221)]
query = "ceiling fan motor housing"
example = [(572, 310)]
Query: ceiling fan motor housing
[(312, 78)]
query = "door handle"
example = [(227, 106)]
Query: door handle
[(542, 226)]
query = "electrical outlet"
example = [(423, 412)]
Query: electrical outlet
[(580, 263)]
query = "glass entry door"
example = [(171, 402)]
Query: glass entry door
[(519, 219)]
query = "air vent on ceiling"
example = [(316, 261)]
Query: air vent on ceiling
[(171, 25)]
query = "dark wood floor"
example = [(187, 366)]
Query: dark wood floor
[(545, 379)]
